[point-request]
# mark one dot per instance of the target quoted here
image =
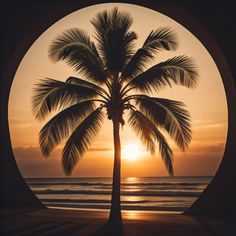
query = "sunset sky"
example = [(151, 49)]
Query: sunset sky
[(206, 104)]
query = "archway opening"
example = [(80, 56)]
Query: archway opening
[(209, 122), (207, 204)]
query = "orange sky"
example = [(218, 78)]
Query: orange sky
[(206, 103)]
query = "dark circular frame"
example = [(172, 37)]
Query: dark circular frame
[(207, 204)]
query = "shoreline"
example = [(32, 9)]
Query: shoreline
[(108, 210), (87, 208), (51, 221)]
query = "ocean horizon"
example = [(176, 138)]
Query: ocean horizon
[(171, 194)]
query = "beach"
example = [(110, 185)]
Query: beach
[(173, 194), (87, 222), (151, 206)]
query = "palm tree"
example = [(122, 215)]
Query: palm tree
[(115, 79)]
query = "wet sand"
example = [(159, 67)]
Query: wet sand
[(86, 222)]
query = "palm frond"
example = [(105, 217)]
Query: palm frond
[(50, 94), (62, 124), (169, 115), (141, 126), (149, 133), (115, 41), (162, 38), (75, 47), (80, 139), (84, 83), (165, 151), (179, 70), (80, 82)]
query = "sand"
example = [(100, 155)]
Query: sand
[(82, 222)]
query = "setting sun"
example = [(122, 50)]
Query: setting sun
[(131, 152), (209, 124)]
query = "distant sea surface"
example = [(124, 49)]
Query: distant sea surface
[(148, 193)]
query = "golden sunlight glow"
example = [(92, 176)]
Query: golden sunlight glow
[(131, 152), (209, 122), (132, 180)]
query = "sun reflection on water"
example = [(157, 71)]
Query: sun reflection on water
[(132, 215), (132, 180)]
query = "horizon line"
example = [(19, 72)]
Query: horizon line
[(90, 177)]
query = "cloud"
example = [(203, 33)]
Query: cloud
[(201, 151), (25, 152), (215, 148), (21, 122), (100, 149), (208, 124), (31, 152)]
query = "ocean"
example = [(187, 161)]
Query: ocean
[(173, 194)]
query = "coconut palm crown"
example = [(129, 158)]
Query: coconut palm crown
[(114, 79)]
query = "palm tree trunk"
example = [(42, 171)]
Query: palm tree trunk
[(115, 213)]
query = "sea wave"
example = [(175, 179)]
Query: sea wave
[(123, 207), (109, 184), (158, 188), (123, 193), (103, 201)]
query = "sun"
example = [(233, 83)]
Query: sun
[(131, 152)]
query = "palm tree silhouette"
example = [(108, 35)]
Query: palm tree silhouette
[(115, 80)]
